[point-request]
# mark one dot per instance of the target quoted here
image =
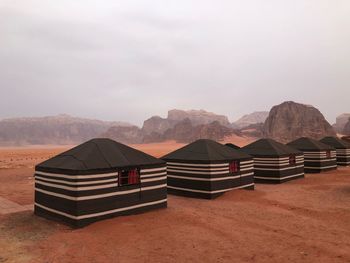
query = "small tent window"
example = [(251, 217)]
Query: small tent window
[(234, 166), (128, 177), (328, 153), (292, 160)]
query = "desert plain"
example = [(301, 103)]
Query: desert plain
[(306, 220)]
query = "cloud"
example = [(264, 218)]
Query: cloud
[(129, 60)]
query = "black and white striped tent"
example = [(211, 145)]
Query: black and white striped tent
[(207, 169), (275, 162), (318, 156), (342, 149), (98, 179)]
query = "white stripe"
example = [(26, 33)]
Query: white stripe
[(319, 168), (198, 169), (271, 159), (271, 164), (197, 165), (248, 174), (246, 169), (77, 176), (320, 160), (204, 179), (153, 179), (246, 162), (80, 198), (101, 213), (83, 188), (278, 178), (344, 162), (209, 179), (151, 175), (153, 170), (193, 172), (77, 183), (277, 169), (209, 192)]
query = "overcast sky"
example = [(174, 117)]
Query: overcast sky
[(128, 60)]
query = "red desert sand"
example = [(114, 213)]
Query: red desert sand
[(306, 220)]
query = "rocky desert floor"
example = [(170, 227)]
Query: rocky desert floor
[(306, 220)]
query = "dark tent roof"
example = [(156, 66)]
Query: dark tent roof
[(204, 150), (335, 142), (269, 147), (98, 154), (308, 144), (233, 146)]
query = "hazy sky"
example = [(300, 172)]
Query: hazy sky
[(128, 60)]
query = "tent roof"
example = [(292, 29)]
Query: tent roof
[(233, 146), (98, 154), (206, 151), (335, 142), (305, 144), (269, 147)]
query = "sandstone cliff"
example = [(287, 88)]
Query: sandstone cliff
[(341, 121), (61, 129), (289, 121), (251, 119)]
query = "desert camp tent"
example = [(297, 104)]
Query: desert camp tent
[(233, 146), (342, 149), (207, 169), (275, 162), (318, 156), (98, 179)]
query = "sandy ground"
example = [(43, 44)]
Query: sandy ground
[(306, 220)]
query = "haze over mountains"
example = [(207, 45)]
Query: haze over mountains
[(285, 122)]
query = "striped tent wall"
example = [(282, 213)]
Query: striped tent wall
[(343, 157), (277, 169), (83, 199), (317, 161), (208, 180)]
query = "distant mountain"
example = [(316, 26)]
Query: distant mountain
[(290, 120), (346, 129), (61, 129), (341, 121), (249, 119), (159, 125), (197, 117), (253, 130), (129, 134)]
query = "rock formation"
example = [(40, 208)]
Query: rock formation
[(130, 134), (253, 118), (157, 124), (341, 121), (197, 117), (289, 121), (346, 129), (61, 129)]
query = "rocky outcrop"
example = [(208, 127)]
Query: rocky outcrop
[(61, 129), (289, 121), (341, 121), (254, 130), (197, 117), (250, 119), (130, 134), (346, 129), (157, 124), (178, 123), (185, 131)]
